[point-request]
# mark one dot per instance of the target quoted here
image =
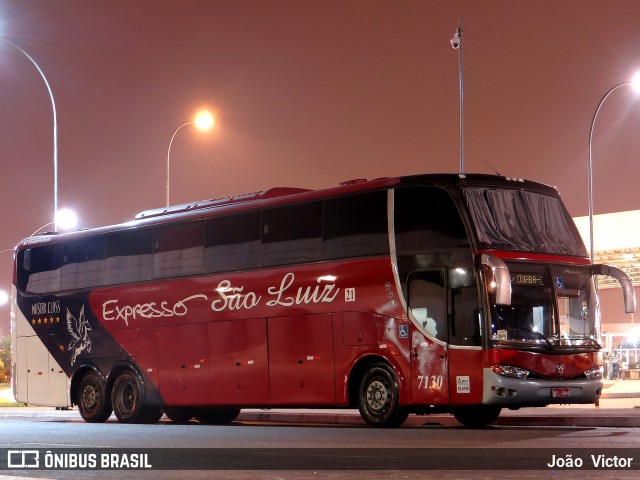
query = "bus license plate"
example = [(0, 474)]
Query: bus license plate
[(560, 392)]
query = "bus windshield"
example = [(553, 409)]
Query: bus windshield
[(550, 307), (522, 220)]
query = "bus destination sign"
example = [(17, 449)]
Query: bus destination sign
[(527, 279)]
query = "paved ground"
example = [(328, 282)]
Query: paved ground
[(618, 407)]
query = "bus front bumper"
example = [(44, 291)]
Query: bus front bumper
[(517, 392)]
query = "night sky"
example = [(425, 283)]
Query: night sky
[(306, 93)]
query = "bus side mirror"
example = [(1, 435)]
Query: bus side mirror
[(501, 283), (628, 291)]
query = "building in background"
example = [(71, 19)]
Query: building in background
[(616, 242)]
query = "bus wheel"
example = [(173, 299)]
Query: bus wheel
[(379, 398), (212, 416), (479, 416), (126, 398), (94, 404), (179, 414)]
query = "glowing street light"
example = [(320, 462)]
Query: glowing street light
[(66, 219), (203, 121), (635, 84), (55, 128)]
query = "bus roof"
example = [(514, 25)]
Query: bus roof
[(283, 195)]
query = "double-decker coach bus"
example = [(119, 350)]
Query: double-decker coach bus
[(461, 293)]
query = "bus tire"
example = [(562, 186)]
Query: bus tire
[(379, 398), (179, 414), (126, 398), (214, 416), (477, 416), (94, 403)]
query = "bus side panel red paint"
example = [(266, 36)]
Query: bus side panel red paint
[(239, 362), (465, 376), (184, 364)]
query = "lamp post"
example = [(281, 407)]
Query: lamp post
[(635, 84), (55, 129), (456, 43), (65, 218), (203, 121)]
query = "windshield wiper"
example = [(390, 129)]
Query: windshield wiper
[(530, 330)]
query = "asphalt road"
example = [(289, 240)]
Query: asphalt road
[(330, 451)]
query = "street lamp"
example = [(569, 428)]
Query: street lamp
[(65, 218), (55, 129), (635, 84), (203, 121)]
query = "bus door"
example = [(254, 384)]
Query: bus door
[(427, 303)]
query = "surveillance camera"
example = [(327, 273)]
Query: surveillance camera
[(455, 43)]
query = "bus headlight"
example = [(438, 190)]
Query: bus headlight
[(509, 371), (594, 373)]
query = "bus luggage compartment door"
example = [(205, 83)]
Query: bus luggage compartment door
[(46, 382), (301, 360)]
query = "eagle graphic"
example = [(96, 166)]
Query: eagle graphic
[(79, 329)]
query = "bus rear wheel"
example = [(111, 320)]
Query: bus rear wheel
[(94, 404), (478, 416), (379, 398), (126, 398)]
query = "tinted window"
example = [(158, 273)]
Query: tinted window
[(232, 242), (128, 256), (129, 242), (83, 263), (356, 226), (178, 249), (83, 250), (292, 234), (178, 236), (41, 268), (427, 219)]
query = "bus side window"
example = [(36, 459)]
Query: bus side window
[(427, 301), (292, 234), (83, 263), (44, 269), (129, 256), (356, 226), (232, 242), (178, 249)]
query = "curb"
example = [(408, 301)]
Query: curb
[(445, 420)]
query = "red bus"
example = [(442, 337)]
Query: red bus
[(460, 293)]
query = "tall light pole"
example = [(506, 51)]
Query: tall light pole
[(55, 129), (456, 43), (635, 84), (203, 121)]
